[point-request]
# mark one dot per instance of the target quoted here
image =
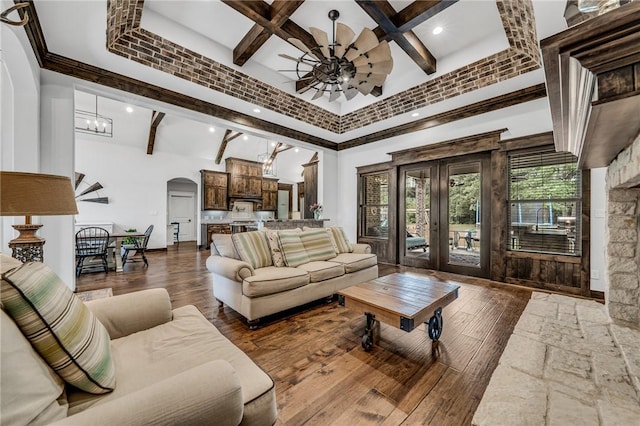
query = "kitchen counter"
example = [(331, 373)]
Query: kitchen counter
[(294, 223)]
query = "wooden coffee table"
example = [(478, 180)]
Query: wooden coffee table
[(401, 300)]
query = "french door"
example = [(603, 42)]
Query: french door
[(445, 215)]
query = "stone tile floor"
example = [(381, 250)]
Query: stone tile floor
[(566, 363)]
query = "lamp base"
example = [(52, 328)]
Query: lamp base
[(28, 247)]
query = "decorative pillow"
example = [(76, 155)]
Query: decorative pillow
[(317, 244), (60, 327), (224, 245), (292, 249), (274, 245), (341, 241), (253, 248)]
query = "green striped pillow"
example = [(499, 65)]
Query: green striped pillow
[(342, 242), (253, 248), (317, 244), (292, 249), (60, 327)]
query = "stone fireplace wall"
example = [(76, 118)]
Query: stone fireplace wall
[(623, 227)]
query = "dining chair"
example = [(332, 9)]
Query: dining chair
[(91, 242), (139, 245)]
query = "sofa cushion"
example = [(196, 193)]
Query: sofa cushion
[(354, 262), (59, 326), (148, 357), (292, 249), (224, 245), (340, 238), (253, 248), (272, 279), (317, 244), (322, 270), (31, 391)]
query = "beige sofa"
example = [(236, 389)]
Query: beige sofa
[(171, 367), (258, 292)]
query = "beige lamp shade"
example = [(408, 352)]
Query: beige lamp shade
[(35, 194)]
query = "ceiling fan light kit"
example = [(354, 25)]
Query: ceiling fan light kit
[(344, 66)]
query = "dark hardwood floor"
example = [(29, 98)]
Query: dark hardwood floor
[(322, 374)]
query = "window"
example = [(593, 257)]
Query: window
[(375, 205), (544, 196)]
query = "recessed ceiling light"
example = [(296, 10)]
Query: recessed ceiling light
[(297, 150), (437, 30), (256, 110), (415, 114), (129, 109), (212, 129), (273, 144), (245, 137)]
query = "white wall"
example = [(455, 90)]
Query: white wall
[(136, 184), (598, 224)]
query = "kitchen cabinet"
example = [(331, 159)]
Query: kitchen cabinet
[(219, 228), (246, 178), (214, 190), (269, 194)]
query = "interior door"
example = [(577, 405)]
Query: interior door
[(444, 219), (182, 208)]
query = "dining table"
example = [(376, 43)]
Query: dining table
[(118, 237)]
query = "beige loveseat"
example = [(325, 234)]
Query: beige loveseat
[(257, 289), (171, 367)]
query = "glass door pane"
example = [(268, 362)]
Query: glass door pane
[(464, 213), (417, 225)]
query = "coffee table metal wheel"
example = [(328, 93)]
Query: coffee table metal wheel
[(435, 325)]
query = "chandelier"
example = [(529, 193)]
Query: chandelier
[(93, 122), (342, 66), (268, 161)]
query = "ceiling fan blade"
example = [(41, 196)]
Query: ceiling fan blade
[(381, 52), (350, 93), (365, 41), (384, 67), (300, 45), (321, 38), (377, 79), (335, 93), (319, 92), (344, 35), (283, 55), (365, 88)]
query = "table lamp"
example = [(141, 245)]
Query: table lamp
[(33, 194)]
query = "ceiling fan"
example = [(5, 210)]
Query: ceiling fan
[(345, 65)]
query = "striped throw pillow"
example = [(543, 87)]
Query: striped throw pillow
[(341, 241), (317, 244), (292, 249), (253, 248), (60, 327)]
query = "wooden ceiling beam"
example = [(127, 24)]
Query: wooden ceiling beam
[(397, 27), (156, 118), (229, 135), (269, 20), (418, 12)]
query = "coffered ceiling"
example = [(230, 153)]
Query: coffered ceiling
[(487, 49)]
